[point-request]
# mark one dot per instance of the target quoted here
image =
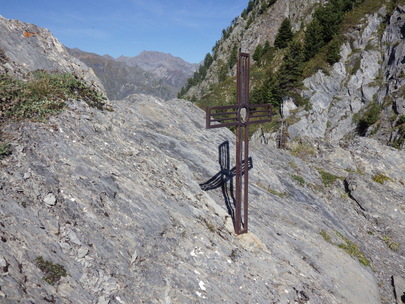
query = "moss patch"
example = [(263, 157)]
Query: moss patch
[(348, 246), (381, 178), (52, 272), (328, 178)]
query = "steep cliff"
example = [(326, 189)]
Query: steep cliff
[(357, 92), (370, 73)]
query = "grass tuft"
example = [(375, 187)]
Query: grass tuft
[(4, 150), (381, 178), (53, 272), (328, 178), (42, 94)]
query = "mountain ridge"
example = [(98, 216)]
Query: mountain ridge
[(154, 73)]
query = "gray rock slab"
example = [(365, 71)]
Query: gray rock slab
[(130, 212)]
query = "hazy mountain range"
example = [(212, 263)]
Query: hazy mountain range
[(155, 73)]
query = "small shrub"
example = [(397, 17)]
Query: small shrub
[(274, 192), (401, 120), (348, 246), (299, 179), (52, 272), (381, 178), (3, 57), (369, 117), (4, 150), (303, 150), (328, 178), (390, 243), (326, 236), (43, 94)]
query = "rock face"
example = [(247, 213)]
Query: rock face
[(114, 198), (366, 84), (370, 70), (27, 47)]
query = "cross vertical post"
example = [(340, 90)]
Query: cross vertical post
[(242, 143), (240, 116)]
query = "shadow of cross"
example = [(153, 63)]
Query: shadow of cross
[(223, 176), (241, 116)]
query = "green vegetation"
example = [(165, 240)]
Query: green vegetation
[(284, 35), (348, 246), (401, 120), (260, 52), (278, 71), (271, 191), (302, 150), (390, 243), (398, 140), (42, 94), (250, 7), (328, 178), (325, 25), (352, 249), (199, 76), (52, 272), (4, 150), (326, 236), (381, 178), (299, 179), (233, 58), (368, 118), (3, 57)]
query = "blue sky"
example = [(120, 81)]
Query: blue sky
[(183, 28)]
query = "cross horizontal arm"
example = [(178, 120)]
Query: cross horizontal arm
[(228, 116)]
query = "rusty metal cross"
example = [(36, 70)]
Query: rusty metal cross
[(240, 116)]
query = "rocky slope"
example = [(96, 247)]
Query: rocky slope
[(26, 47), (121, 80), (114, 198)]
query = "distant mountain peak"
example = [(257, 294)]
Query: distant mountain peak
[(151, 72)]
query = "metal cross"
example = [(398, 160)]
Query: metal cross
[(240, 116)]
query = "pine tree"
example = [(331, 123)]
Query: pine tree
[(284, 35), (333, 54), (258, 53), (234, 57), (290, 73), (330, 17), (313, 40), (266, 47), (208, 60)]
